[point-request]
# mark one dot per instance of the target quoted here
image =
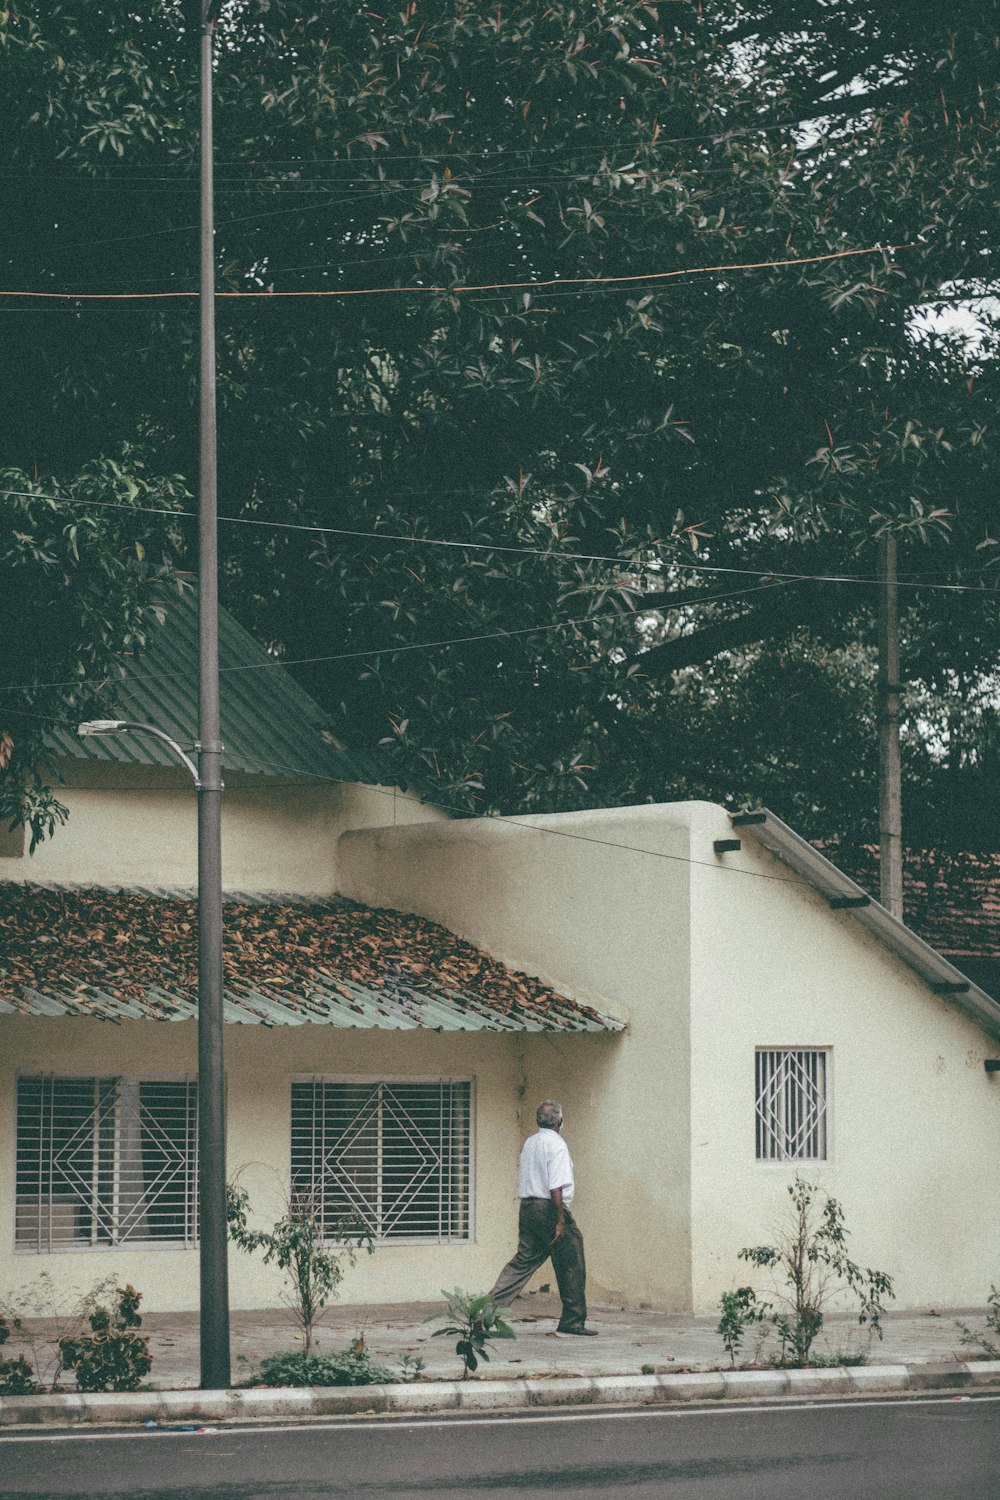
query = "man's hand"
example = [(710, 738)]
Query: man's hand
[(560, 1228)]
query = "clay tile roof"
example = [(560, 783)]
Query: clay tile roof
[(128, 954), (952, 901)]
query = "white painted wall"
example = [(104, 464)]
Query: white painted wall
[(707, 957), (137, 825), (710, 957), (596, 904), (260, 1064), (915, 1119)]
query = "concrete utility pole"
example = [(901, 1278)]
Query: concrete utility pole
[(212, 1225), (890, 785)]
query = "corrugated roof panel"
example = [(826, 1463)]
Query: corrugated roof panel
[(270, 725), (130, 955), (437, 1012)]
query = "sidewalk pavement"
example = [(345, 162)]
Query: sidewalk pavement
[(641, 1356)]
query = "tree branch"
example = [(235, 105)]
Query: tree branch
[(782, 609)]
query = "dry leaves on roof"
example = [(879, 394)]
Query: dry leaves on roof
[(125, 943)]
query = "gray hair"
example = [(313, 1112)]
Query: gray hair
[(549, 1115)]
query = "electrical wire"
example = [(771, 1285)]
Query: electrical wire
[(493, 286), (398, 650), (532, 827), (854, 105), (523, 822), (724, 134), (620, 560)]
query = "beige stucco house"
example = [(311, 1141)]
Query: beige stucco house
[(715, 1005)]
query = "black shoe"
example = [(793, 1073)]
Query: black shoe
[(583, 1333)]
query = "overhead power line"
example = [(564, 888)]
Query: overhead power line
[(532, 827), (525, 821), (552, 553), (839, 112), (368, 653), (462, 289)]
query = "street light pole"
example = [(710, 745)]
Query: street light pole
[(213, 1229), (213, 1247)]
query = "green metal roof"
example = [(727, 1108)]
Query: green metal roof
[(351, 1006), (132, 955), (270, 726)]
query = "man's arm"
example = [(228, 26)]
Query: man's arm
[(557, 1199)]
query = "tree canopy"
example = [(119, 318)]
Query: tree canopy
[(82, 591), (632, 337)]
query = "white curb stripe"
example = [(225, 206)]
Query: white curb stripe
[(405, 1424)]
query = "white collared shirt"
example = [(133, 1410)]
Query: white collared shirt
[(545, 1164)]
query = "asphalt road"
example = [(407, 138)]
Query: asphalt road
[(931, 1449)]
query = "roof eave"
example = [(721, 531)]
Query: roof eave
[(947, 981)]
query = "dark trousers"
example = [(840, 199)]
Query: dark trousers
[(535, 1228)]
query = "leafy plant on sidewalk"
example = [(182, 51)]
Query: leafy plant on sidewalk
[(811, 1268), (17, 1378), (114, 1356), (740, 1311), (312, 1254), (983, 1341), (37, 1319), (476, 1320), (348, 1367)]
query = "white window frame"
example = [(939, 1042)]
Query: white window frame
[(115, 1242), (772, 1127), (372, 1080)]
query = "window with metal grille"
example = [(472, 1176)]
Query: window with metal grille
[(791, 1104), (397, 1154), (105, 1161)]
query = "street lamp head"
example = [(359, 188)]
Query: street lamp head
[(101, 726), (91, 727)]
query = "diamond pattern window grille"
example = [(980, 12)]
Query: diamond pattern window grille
[(395, 1153), (104, 1162), (791, 1105)]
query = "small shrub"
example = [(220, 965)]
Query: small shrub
[(345, 1368), (740, 1311), (113, 1356), (17, 1378), (982, 1341), (839, 1360), (411, 1366), (300, 1244), (65, 1314), (476, 1319), (810, 1267)]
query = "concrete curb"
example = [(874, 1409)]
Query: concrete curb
[(169, 1407)]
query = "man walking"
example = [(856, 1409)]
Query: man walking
[(545, 1225)]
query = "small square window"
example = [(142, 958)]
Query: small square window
[(791, 1104)]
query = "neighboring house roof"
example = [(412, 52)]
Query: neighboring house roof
[(951, 899), (270, 726), (845, 894), (132, 955)]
